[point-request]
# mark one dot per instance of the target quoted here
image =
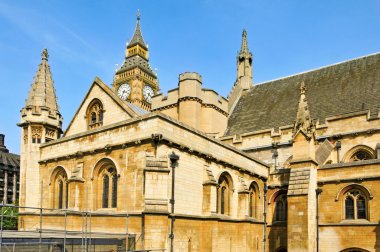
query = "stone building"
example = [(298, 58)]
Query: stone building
[(286, 165), (9, 174)]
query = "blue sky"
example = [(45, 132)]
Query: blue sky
[(87, 38)]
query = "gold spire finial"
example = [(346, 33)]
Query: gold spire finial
[(45, 54)]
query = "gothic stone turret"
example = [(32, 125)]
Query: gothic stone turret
[(302, 181), (244, 73), (41, 122)]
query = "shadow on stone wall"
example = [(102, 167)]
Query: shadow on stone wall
[(377, 233), (278, 237)]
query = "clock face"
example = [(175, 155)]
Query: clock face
[(148, 93), (124, 91)]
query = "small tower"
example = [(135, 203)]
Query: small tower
[(135, 80), (302, 187), (40, 122), (244, 73)]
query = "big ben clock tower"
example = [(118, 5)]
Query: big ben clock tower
[(135, 80)]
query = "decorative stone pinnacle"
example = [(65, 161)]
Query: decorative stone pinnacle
[(303, 115), (244, 43), (45, 54), (138, 15)]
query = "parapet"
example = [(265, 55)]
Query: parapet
[(190, 76)]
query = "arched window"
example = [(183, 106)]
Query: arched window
[(355, 205), (280, 208), (252, 201), (114, 190), (60, 189), (354, 250), (224, 194), (109, 187), (359, 153), (105, 191), (95, 114)]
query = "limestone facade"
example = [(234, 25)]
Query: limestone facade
[(287, 165)]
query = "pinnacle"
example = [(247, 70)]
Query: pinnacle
[(303, 120), (244, 43), (45, 54), (137, 36), (42, 91)]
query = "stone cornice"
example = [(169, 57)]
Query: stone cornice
[(169, 142), (349, 134), (359, 179), (350, 164), (149, 117)]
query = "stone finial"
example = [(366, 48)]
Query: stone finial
[(45, 54), (244, 43), (303, 120), (138, 14)]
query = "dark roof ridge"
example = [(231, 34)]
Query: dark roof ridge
[(320, 68), (337, 89)]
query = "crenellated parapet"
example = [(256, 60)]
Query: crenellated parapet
[(200, 108)]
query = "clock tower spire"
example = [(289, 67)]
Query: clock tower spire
[(135, 81)]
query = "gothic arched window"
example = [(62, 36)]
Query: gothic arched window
[(95, 114), (252, 201), (224, 194), (355, 205), (60, 189), (280, 208), (105, 191), (109, 188), (361, 155)]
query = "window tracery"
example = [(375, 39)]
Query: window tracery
[(355, 205), (60, 189), (361, 155), (36, 135), (224, 192), (95, 114), (109, 187)]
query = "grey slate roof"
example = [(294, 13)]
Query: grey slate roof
[(339, 89), (137, 109), (137, 36), (136, 61)]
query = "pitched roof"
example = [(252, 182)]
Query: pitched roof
[(136, 61), (339, 89), (132, 112), (137, 36), (42, 91)]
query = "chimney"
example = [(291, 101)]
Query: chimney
[(2, 136), (2, 146)]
